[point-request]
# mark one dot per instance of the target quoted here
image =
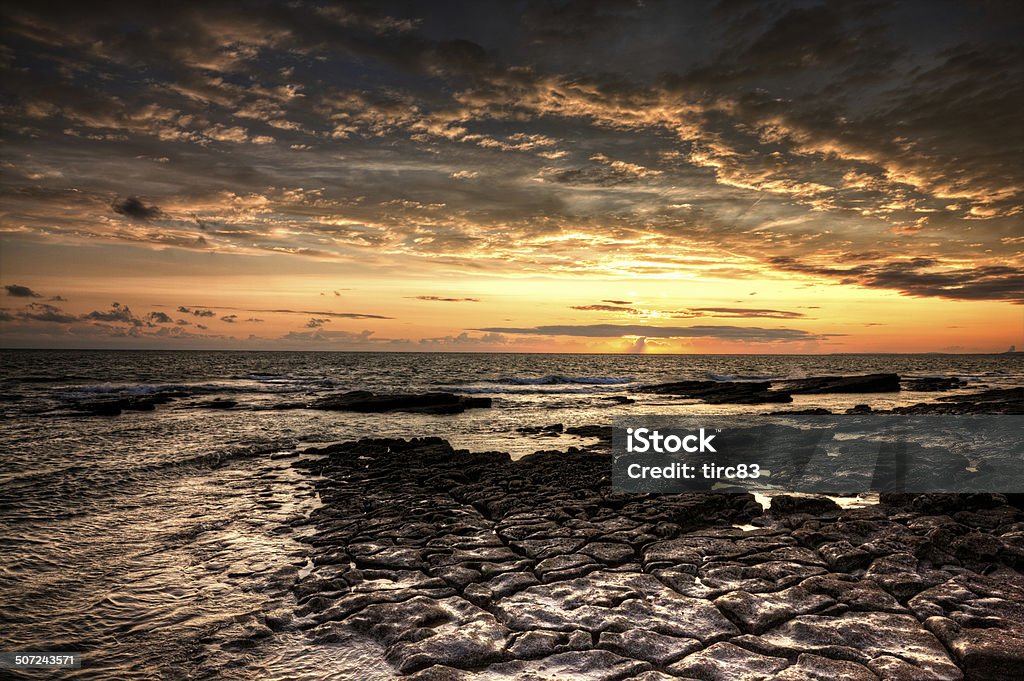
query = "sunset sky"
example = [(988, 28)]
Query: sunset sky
[(733, 176)]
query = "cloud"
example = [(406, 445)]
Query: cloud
[(605, 172), (786, 131), (41, 312), (316, 323), (465, 339), (924, 277), (333, 336), (605, 308), (744, 312), (317, 313), (445, 300), (159, 318), (116, 313), (229, 319), (638, 347), (134, 209), (751, 334), (196, 311), (19, 291)]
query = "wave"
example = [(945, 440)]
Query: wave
[(740, 377), (556, 379), (538, 390)]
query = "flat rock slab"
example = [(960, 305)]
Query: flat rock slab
[(455, 565), (821, 385), (428, 403)]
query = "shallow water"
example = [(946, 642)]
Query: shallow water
[(158, 542)]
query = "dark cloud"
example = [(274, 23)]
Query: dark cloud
[(728, 333), (647, 134), (159, 318), (316, 323), (196, 311), (230, 319), (745, 312), (618, 302), (605, 308), (924, 277), (318, 313), (134, 209), (116, 313), (41, 312), (439, 299), (19, 291)]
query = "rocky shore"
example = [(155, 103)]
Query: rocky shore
[(1002, 401), (457, 565)]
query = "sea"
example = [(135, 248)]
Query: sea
[(154, 541)]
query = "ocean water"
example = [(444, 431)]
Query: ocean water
[(153, 541)]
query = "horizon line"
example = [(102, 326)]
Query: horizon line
[(508, 352)]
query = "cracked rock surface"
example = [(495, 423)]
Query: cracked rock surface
[(456, 566)]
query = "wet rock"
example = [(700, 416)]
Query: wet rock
[(718, 392), (842, 556), (755, 613), (979, 619), (600, 432), (532, 644), (114, 407), (996, 401), (565, 567), (101, 407), (862, 595), (217, 403), (471, 566), (931, 384), (784, 504), (422, 632), (607, 601), (643, 644), (590, 665), (818, 668), (553, 429), (609, 553), (427, 403), (976, 547), (871, 383), (870, 639), (727, 662)]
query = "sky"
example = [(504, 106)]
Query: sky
[(736, 176)]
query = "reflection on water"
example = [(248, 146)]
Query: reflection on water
[(163, 576)]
